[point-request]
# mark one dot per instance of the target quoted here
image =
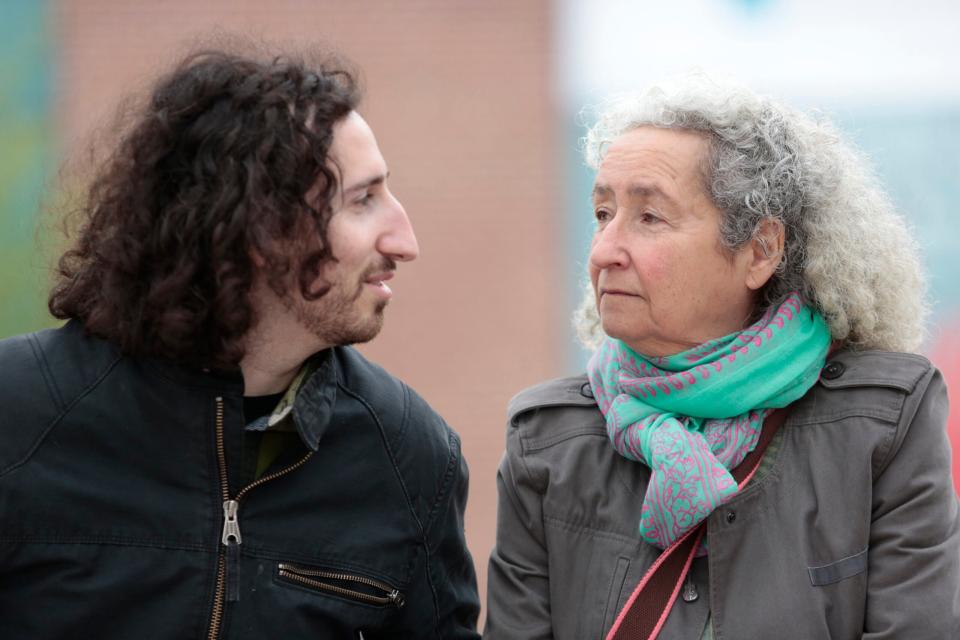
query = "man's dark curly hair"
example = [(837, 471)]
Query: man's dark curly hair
[(227, 157)]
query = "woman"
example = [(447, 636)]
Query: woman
[(744, 261)]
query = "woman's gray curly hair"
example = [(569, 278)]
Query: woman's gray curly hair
[(847, 251)]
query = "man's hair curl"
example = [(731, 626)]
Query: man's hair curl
[(227, 158)]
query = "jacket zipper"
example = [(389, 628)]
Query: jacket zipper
[(308, 577), (230, 539)]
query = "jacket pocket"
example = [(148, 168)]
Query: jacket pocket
[(839, 570), (349, 586), (614, 595)]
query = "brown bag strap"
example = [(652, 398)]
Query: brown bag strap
[(646, 611)]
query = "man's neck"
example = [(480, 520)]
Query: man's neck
[(275, 351), (265, 376)]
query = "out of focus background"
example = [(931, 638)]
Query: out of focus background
[(478, 107)]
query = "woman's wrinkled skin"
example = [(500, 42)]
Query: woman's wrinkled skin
[(663, 281)]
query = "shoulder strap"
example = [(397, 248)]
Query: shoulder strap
[(646, 611), (749, 465)]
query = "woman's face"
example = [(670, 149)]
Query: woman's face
[(662, 281)]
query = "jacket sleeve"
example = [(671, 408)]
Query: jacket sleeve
[(451, 572), (518, 586), (914, 558)]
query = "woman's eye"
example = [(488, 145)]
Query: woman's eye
[(648, 218)]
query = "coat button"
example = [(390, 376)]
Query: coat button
[(833, 370), (586, 390), (731, 516)]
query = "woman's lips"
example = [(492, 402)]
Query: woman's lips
[(617, 292)]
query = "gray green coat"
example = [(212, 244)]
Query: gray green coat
[(851, 531)]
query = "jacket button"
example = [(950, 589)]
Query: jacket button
[(833, 370), (731, 516), (586, 390)]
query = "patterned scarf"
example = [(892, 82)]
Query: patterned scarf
[(693, 416)]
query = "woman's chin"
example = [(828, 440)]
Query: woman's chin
[(623, 327), (645, 345)]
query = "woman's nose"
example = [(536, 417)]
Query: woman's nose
[(608, 250)]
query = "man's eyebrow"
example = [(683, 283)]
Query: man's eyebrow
[(366, 184)]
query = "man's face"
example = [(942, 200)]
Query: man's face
[(369, 232)]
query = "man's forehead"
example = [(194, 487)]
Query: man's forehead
[(355, 154), (350, 134)]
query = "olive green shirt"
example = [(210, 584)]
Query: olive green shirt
[(278, 428)]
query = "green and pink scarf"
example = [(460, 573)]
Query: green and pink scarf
[(693, 416)]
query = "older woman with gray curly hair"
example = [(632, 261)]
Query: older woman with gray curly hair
[(755, 450)]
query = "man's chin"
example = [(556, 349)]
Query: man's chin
[(367, 334), (361, 331)]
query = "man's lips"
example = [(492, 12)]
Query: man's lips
[(378, 281), (377, 278)]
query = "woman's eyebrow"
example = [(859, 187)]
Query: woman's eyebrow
[(637, 189)]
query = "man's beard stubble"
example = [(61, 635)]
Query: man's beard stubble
[(335, 317)]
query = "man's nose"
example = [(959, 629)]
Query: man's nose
[(398, 240)]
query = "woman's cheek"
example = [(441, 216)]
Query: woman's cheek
[(653, 265)]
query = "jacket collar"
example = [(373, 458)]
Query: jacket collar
[(315, 400), (312, 408), (226, 381)]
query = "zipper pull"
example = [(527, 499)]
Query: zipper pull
[(396, 598), (231, 540), (690, 590), (231, 527)]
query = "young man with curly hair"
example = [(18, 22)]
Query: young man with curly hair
[(197, 453)]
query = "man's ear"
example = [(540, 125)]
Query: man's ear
[(766, 252)]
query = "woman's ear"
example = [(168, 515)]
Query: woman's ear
[(766, 252)]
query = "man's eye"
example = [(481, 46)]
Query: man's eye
[(365, 200), (601, 215)]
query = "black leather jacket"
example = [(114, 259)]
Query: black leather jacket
[(114, 474)]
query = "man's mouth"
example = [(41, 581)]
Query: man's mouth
[(378, 280)]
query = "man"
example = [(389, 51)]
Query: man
[(196, 453)]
